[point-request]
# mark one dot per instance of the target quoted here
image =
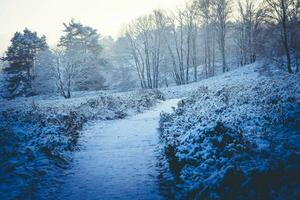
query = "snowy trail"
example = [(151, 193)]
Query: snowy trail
[(118, 160)]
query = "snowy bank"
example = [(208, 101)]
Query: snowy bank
[(236, 137)]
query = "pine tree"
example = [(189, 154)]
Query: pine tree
[(21, 56), (84, 41)]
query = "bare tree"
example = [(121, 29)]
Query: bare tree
[(205, 12), (177, 32), (190, 15), (145, 36), (180, 34), (158, 23), (221, 11), (282, 12), (66, 68), (251, 16), (138, 59), (170, 37)]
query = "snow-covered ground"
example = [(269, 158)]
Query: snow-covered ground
[(227, 127), (39, 138), (117, 159), (236, 137), (244, 75)]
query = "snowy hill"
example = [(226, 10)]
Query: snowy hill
[(236, 137)]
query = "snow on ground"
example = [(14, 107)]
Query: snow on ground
[(117, 159), (229, 127), (236, 137), (246, 74), (37, 139)]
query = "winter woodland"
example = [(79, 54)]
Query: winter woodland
[(199, 102)]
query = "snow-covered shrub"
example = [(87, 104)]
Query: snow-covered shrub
[(34, 141), (104, 107), (236, 142), (145, 99)]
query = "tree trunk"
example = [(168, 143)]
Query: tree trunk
[(285, 37)]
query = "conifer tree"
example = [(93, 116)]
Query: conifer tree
[(21, 56)]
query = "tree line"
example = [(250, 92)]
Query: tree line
[(73, 65), (214, 34), (199, 40)]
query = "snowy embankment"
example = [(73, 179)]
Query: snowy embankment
[(38, 136), (246, 75), (236, 137)]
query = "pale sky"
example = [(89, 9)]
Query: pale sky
[(46, 16)]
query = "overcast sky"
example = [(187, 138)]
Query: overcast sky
[(46, 16)]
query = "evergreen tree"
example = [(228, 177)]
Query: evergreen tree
[(84, 41), (21, 56)]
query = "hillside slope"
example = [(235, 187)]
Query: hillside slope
[(236, 137)]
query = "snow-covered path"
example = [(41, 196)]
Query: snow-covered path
[(118, 160)]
